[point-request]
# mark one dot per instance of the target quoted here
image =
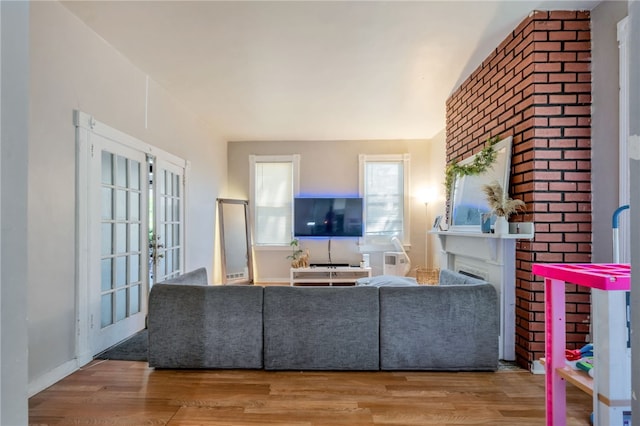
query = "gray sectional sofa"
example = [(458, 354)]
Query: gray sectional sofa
[(453, 326)]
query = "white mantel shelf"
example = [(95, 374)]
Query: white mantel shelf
[(526, 232), (509, 236), (491, 257)]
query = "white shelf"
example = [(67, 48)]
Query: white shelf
[(327, 275), (578, 378)]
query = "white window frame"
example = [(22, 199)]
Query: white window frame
[(363, 159), (294, 159)]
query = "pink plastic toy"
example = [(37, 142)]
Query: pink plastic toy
[(599, 276)]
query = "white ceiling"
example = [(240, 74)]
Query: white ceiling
[(342, 70)]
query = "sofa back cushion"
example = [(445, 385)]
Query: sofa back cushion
[(452, 327), (195, 277), (321, 328), (196, 326)]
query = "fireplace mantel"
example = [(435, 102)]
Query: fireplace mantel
[(517, 231), (490, 257)]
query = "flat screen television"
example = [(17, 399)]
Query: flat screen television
[(327, 217)]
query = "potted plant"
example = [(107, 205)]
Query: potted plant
[(299, 258), (501, 205)]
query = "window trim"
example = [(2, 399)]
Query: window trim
[(294, 159), (363, 159)]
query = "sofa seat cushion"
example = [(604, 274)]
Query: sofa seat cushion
[(453, 327), (321, 328), (196, 326)]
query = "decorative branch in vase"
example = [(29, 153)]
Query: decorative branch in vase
[(501, 205)]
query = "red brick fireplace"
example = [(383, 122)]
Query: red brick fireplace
[(536, 87)]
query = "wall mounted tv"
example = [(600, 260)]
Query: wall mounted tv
[(327, 217)]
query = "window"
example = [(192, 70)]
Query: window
[(274, 181), (384, 186)]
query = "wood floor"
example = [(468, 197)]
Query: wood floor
[(131, 393)]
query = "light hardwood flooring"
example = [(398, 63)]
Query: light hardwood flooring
[(131, 393)]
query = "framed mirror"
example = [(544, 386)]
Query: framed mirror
[(235, 241), (468, 200)]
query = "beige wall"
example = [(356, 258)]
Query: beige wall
[(331, 168), (72, 68)]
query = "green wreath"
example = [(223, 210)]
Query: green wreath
[(482, 161)]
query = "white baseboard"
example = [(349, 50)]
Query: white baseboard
[(53, 376), (537, 368)]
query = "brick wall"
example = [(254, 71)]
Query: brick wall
[(536, 87)]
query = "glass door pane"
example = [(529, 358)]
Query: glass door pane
[(122, 235), (167, 242)]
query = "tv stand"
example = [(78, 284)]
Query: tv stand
[(327, 275)]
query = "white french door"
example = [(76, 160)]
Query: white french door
[(130, 212), (166, 235), (118, 304)]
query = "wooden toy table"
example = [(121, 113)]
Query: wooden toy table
[(600, 277)]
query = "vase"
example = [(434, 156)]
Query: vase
[(485, 223), (501, 226)]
